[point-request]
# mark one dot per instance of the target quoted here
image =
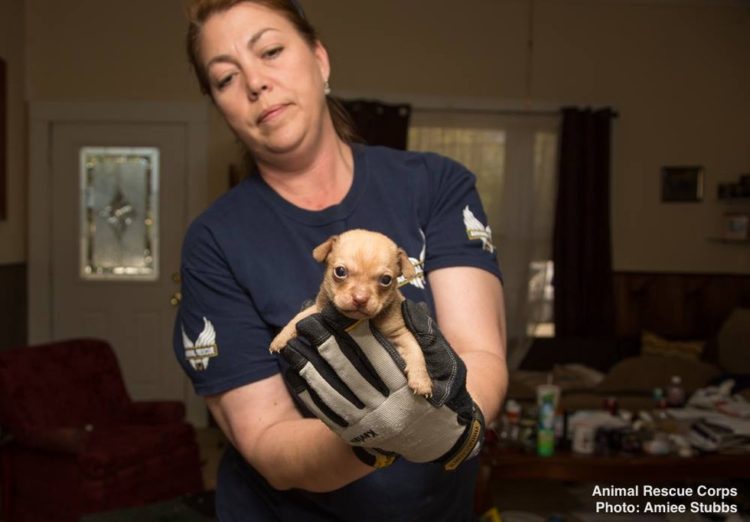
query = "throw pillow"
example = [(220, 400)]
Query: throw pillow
[(653, 344)]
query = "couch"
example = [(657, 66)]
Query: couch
[(77, 443), (589, 371)]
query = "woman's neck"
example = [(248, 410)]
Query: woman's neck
[(315, 180)]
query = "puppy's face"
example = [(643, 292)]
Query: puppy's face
[(361, 272)]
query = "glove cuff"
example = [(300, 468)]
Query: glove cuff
[(469, 444), (374, 458)]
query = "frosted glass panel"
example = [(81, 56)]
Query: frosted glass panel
[(119, 213)]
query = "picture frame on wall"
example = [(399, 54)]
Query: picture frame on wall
[(682, 184), (3, 142), (736, 226)]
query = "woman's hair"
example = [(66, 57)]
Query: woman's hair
[(200, 10)]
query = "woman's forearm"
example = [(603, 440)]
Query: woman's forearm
[(305, 454), (288, 450), (486, 381), (471, 314)]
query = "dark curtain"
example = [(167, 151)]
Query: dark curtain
[(378, 123), (582, 247)]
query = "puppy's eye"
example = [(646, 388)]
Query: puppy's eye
[(340, 272), (386, 280)]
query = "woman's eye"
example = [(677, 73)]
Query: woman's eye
[(224, 81), (273, 53), (386, 280), (340, 272)]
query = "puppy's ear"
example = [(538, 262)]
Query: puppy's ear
[(320, 253), (407, 269)]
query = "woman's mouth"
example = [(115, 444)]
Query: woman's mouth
[(271, 113)]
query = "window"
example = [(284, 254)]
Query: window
[(119, 213), (514, 158)]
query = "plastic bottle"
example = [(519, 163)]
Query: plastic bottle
[(659, 401), (675, 393), (509, 432), (548, 397), (513, 415)]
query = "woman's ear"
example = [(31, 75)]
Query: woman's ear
[(321, 56)]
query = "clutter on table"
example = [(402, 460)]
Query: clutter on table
[(713, 419)]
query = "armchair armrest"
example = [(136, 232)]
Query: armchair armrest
[(150, 412), (58, 440)]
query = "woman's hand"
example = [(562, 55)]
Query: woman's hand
[(350, 377)]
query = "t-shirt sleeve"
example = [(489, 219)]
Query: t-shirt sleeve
[(457, 232), (219, 338)]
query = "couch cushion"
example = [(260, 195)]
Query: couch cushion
[(110, 449), (652, 344), (646, 372), (599, 353), (734, 342)]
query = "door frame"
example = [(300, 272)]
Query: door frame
[(194, 116)]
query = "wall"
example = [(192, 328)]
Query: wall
[(13, 228), (676, 71), (678, 74)]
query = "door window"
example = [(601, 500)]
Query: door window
[(119, 213)]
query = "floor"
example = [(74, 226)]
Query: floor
[(544, 500), (514, 500)]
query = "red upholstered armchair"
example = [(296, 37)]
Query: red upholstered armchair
[(79, 444)]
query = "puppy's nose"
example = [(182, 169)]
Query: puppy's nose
[(360, 298)]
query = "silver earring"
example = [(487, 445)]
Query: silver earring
[(326, 88)]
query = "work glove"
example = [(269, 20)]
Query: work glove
[(352, 378)]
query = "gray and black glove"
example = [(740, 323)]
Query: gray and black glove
[(350, 377)]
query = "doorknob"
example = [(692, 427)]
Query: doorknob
[(177, 296)]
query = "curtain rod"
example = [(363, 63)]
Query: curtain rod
[(511, 112), (468, 105)]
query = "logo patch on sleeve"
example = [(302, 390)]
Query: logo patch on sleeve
[(419, 280), (200, 352), (476, 230)]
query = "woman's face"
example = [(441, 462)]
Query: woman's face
[(265, 78)]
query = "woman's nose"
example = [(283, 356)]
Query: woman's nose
[(255, 84), (254, 92)]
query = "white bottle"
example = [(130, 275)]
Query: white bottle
[(675, 393)]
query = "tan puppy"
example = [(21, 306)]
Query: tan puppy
[(361, 282)]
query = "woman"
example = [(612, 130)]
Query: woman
[(247, 268)]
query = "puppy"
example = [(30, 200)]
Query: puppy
[(361, 282)]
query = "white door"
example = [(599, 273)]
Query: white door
[(94, 296)]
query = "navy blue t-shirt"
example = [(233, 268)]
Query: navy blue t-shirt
[(247, 267)]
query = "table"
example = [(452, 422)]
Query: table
[(565, 465)]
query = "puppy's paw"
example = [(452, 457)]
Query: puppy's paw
[(420, 383), (278, 343)]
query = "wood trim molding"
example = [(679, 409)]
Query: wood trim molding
[(43, 116)]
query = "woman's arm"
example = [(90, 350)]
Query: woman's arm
[(471, 314), (290, 451), (262, 422)]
